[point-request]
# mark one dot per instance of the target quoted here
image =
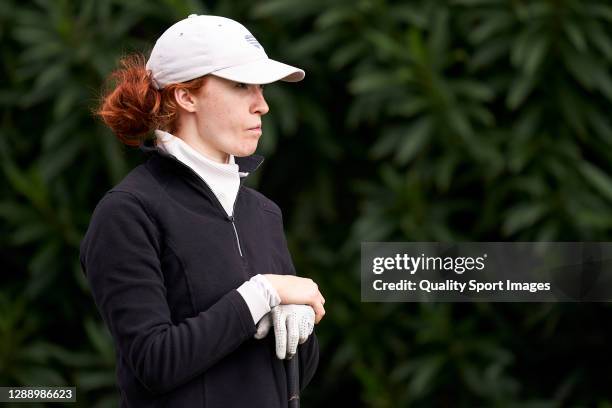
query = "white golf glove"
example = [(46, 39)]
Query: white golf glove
[(292, 326)]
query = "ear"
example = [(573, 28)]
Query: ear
[(185, 99)]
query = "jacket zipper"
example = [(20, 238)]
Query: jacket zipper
[(233, 218), (228, 217), (236, 233)]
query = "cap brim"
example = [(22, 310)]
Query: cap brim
[(263, 71)]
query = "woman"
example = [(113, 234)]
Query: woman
[(189, 268)]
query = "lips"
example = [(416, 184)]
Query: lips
[(255, 128)]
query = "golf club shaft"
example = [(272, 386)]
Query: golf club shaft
[(293, 381)]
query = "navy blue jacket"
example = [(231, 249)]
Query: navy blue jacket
[(163, 261)]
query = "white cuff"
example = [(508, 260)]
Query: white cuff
[(270, 292), (259, 295)]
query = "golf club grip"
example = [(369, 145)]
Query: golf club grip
[(293, 381)]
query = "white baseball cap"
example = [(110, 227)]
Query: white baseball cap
[(201, 45)]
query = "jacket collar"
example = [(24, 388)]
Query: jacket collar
[(246, 164)]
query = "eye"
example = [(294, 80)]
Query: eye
[(241, 85)]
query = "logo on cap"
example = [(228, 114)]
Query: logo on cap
[(251, 40)]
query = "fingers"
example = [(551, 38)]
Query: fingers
[(317, 303), (306, 333), (293, 324), (280, 333), (263, 327), (293, 334), (319, 311), (294, 289), (306, 325)]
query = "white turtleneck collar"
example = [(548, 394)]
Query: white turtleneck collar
[(222, 178)]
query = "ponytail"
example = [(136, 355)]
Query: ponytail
[(133, 107)]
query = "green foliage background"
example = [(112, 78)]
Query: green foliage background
[(476, 120)]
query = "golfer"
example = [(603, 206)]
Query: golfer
[(188, 267)]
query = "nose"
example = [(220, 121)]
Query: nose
[(259, 105)]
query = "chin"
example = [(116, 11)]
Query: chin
[(246, 150)]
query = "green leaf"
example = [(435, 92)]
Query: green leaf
[(388, 142), (415, 138), (289, 10), (55, 162), (493, 24), (600, 124), (371, 82), (438, 41), (599, 180), (584, 68), (29, 233), (473, 89), (527, 125), (92, 380), (29, 375), (599, 10), (445, 171), (473, 3), (100, 337), (571, 112), (522, 44), (114, 159), (57, 132), (44, 256), (409, 108), (32, 34), (410, 14), (53, 74), (523, 216), (384, 44), (534, 54), (346, 54), (490, 52), (27, 183), (334, 16), (416, 46), (312, 44), (15, 213), (604, 83), (66, 101), (427, 370), (459, 124), (480, 114), (520, 89), (575, 35), (41, 52), (600, 38)]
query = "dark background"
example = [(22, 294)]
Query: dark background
[(471, 120)]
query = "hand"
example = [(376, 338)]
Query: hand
[(293, 324), (299, 291)]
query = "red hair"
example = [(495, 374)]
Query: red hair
[(131, 106)]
